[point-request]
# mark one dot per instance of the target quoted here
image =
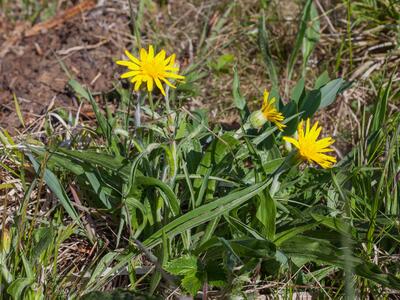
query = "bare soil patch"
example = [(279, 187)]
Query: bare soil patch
[(33, 67)]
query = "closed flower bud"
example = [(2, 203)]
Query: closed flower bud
[(257, 119)]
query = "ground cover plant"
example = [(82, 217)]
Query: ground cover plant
[(138, 193)]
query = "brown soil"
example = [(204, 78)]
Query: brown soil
[(32, 69)]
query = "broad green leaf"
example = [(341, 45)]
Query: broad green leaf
[(45, 236), (266, 214), (330, 91), (291, 114), (182, 266), (298, 90), (310, 104), (17, 287), (191, 283), (321, 80)]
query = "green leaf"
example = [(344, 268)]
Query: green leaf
[(320, 251), (192, 284), (298, 90), (105, 127), (17, 287), (223, 62), (80, 91), (299, 38), (330, 91), (310, 104), (311, 37), (217, 152), (117, 294), (265, 51), (205, 213), (238, 99), (55, 186), (18, 110), (291, 117), (182, 266), (379, 115), (45, 236), (253, 248), (322, 80), (266, 214)]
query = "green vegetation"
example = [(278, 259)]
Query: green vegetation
[(151, 201)]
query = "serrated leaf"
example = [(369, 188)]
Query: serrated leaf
[(182, 266), (192, 284)]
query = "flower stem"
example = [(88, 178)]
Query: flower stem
[(151, 104), (138, 111)]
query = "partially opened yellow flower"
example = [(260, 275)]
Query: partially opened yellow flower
[(309, 148), (268, 112), (150, 68)]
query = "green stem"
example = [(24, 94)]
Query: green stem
[(151, 104), (138, 112)]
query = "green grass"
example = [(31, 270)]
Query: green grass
[(177, 203)]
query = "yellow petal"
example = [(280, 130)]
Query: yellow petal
[(167, 82), (159, 85), (161, 56), (300, 130), (292, 141), (143, 54), (137, 85), (172, 75), (151, 53), (308, 126), (150, 85), (130, 74), (132, 58), (170, 61), (128, 64)]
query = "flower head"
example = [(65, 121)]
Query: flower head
[(151, 68), (309, 148), (268, 112)]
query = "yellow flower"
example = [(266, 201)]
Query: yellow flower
[(309, 148), (151, 69), (268, 112)]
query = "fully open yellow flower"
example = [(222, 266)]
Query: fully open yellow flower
[(309, 148), (151, 69), (268, 112)]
